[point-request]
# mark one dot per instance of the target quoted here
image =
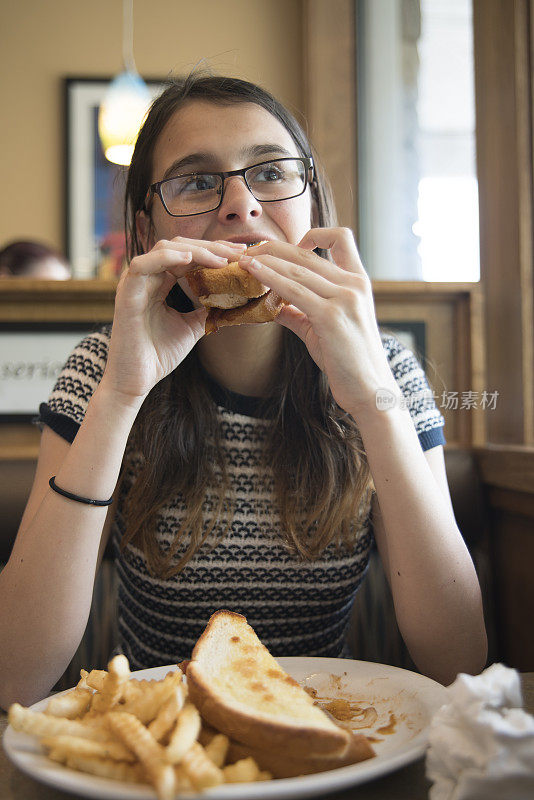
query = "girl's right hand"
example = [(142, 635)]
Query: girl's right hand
[(149, 339)]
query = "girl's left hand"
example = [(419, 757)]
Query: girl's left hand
[(332, 311)]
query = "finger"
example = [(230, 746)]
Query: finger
[(297, 292), (297, 255), (202, 252), (161, 260), (196, 320), (337, 275), (171, 257), (194, 325), (290, 275), (295, 320), (139, 285), (204, 255), (235, 247), (341, 244), (163, 286), (220, 247)]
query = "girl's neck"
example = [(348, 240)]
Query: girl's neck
[(243, 359)]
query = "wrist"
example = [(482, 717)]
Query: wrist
[(383, 406), (111, 400)]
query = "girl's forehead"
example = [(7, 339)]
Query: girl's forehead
[(221, 130)]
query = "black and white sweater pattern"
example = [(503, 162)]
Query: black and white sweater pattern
[(296, 607)]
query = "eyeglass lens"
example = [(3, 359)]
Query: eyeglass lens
[(276, 180)]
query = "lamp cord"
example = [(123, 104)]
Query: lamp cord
[(127, 35)]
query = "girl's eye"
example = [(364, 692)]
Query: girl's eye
[(269, 173), (190, 185), (199, 183)]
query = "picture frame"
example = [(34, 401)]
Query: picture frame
[(30, 363), (93, 187)]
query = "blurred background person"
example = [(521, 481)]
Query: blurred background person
[(28, 259)]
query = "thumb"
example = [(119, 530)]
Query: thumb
[(197, 321), (295, 320)]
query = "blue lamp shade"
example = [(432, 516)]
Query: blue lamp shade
[(121, 115)]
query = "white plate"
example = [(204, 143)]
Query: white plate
[(412, 698)]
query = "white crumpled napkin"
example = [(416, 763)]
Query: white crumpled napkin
[(481, 743)]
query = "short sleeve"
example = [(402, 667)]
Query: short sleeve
[(416, 391), (68, 401)]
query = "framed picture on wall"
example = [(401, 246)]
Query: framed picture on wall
[(94, 187), (32, 355)]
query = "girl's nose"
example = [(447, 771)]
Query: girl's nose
[(238, 201)]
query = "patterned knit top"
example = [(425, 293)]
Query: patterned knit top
[(296, 607)]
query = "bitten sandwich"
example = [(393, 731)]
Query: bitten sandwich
[(233, 296)]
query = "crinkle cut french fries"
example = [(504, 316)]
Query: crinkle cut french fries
[(114, 726)]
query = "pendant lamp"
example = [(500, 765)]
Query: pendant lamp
[(125, 102)]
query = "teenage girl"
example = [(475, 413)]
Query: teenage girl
[(249, 469)]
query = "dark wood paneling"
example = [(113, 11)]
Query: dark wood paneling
[(330, 97), (514, 502), (25, 300), (503, 87), (507, 467), (507, 474), (512, 547)]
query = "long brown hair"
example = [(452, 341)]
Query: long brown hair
[(321, 476)]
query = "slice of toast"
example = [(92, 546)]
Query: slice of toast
[(284, 766), (240, 690)]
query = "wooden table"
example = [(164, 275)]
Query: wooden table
[(408, 783)]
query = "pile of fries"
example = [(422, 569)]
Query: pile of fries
[(114, 726)]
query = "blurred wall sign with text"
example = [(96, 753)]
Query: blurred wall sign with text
[(31, 358)]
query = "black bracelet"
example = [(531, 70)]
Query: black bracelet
[(87, 500)]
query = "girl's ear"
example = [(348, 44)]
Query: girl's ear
[(143, 225)]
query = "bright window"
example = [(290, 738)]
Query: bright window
[(418, 193)]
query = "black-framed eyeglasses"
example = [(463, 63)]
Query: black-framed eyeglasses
[(200, 192)]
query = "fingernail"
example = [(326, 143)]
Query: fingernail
[(246, 260)]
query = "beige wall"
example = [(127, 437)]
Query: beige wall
[(43, 41)]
